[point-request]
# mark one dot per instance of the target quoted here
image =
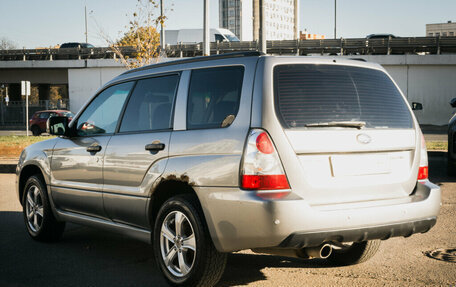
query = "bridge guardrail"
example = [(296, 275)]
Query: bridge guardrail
[(342, 46)]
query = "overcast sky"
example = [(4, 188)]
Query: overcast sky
[(44, 23)]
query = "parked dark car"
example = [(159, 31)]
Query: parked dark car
[(451, 142), (380, 36), (76, 45), (39, 119)]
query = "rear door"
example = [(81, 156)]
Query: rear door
[(350, 130), (137, 153)]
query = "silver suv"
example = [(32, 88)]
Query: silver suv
[(296, 156)]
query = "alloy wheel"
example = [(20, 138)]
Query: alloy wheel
[(34, 208), (178, 244)]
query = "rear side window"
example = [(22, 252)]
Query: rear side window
[(150, 105), (213, 96), (310, 94)]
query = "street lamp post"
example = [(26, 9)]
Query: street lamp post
[(206, 48), (335, 19), (262, 36), (162, 38), (85, 15)]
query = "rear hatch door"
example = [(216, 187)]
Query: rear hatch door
[(350, 130)]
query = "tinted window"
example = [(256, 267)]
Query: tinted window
[(103, 112), (213, 95), (219, 38), (150, 105), (44, 115), (309, 94)]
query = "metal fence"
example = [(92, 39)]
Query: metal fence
[(349, 46), (13, 114)]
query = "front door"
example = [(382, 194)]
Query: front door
[(77, 162)]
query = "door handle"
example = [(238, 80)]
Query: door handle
[(94, 148), (155, 146)]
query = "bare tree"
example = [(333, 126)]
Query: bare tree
[(142, 35), (6, 44)]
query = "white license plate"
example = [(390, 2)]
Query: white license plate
[(360, 164)]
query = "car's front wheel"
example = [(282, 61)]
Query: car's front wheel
[(39, 219), (182, 245)]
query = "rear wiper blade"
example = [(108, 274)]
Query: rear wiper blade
[(347, 124)]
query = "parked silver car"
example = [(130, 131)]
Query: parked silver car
[(296, 156)]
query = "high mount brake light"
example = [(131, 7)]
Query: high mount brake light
[(262, 170)]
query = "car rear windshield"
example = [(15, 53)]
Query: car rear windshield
[(309, 94)]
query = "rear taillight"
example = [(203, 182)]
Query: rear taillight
[(261, 167), (423, 170)]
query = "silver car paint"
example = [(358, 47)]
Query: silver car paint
[(77, 175), (127, 164), (209, 161)]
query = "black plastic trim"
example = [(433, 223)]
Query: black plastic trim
[(405, 229)]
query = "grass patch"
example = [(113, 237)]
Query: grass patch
[(12, 146), (437, 145)]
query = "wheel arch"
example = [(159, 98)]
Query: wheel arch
[(166, 189), (26, 172)]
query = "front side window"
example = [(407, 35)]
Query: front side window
[(102, 114), (150, 105), (213, 96)]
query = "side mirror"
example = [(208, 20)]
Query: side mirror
[(57, 126), (417, 106), (453, 103)]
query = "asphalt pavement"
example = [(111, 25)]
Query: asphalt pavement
[(90, 257)]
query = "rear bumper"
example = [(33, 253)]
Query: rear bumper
[(406, 229), (238, 220)]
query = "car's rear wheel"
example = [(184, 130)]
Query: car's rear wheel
[(36, 131), (39, 219), (182, 245), (354, 253)]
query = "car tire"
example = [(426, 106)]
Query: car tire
[(357, 253), (36, 131), (38, 216), (184, 251)]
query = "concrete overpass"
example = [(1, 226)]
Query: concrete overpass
[(429, 79)]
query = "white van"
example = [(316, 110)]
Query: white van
[(190, 36)]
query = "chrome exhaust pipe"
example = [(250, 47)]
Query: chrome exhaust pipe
[(323, 251)]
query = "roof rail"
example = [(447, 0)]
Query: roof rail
[(198, 59), (358, 59)]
